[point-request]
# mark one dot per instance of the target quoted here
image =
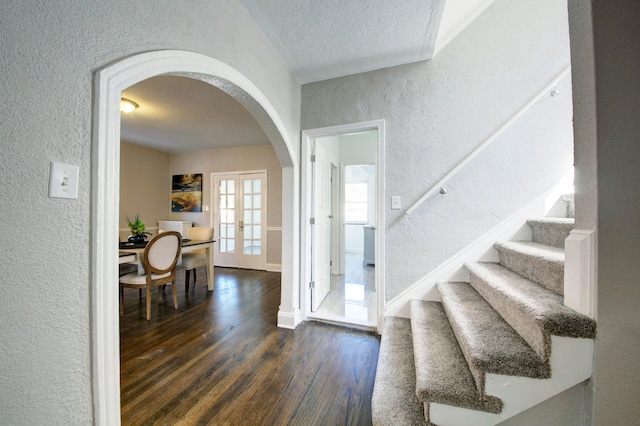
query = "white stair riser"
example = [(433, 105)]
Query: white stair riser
[(549, 235), (571, 363)]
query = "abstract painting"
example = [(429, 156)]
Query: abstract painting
[(186, 193)]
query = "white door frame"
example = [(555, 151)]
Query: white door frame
[(337, 230), (109, 83), (308, 136)]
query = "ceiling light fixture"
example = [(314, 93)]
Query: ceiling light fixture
[(127, 105)]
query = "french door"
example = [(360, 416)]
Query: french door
[(240, 220)]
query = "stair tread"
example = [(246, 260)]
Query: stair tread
[(394, 400), (489, 343), (540, 263), (442, 373), (546, 220), (530, 248), (518, 299)]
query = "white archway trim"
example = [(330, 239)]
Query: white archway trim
[(109, 84)]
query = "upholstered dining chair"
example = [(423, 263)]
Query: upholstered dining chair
[(159, 261), (196, 258)]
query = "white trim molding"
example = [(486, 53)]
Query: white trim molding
[(289, 319), (580, 272)]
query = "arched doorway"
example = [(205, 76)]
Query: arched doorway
[(109, 83)]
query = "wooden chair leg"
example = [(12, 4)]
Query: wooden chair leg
[(187, 273), (148, 303), (121, 301), (175, 295)]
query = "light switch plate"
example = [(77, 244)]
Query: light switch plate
[(63, 181), (395, 202)]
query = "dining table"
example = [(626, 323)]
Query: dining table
[(132, 253)]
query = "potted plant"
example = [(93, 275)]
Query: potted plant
[(138, 234)]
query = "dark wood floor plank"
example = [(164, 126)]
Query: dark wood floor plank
[(220, 359)]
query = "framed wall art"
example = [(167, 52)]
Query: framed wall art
[(186, 193)]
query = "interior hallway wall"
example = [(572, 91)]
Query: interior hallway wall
[(437, 112), (50, 52)]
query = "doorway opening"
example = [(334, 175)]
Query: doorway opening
[(343, 270), (109, 84)]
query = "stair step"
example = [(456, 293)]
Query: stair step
[(442, 373), (540, 263), (532, 310), (489, 344), (551, 231), (394, 400)]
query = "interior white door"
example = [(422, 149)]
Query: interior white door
[(322, 227), (240, 220)]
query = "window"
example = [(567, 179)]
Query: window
[(355, 202)]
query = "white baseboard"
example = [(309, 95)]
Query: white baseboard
[(289, 319), (274, 267), (580, 272), (514, 227)]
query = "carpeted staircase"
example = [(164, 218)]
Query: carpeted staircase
[(490, 348)]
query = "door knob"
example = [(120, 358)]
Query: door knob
[(241, 225)]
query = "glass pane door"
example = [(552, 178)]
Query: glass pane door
[(227, 215), (253, 225), (252, 209), (240, 220)]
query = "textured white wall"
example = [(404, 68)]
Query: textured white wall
[(606, 42), (439, 111), (50, 51)]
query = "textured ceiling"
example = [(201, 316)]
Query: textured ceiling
[(322, 39), (319, 39)]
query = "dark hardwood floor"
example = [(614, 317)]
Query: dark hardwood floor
[(220, 359)]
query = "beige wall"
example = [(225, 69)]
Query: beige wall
[(262, 157), (144, 186), (151, 170)]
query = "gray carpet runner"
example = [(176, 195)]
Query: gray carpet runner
[(537, 262), (394, 400), (500, 322)]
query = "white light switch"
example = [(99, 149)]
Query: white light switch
[(63, 181), (395, 202)]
